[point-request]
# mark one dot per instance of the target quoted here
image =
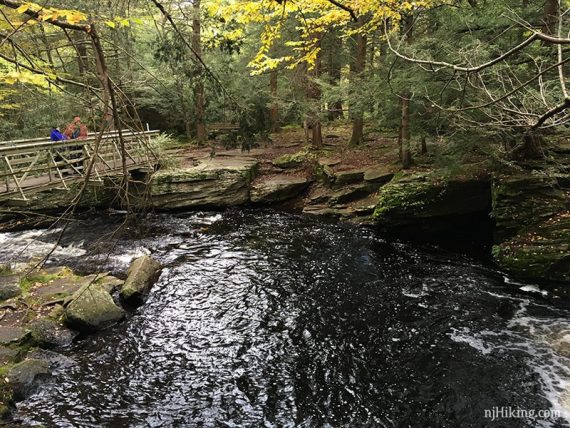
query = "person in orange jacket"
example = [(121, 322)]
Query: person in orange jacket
[(76, 130)]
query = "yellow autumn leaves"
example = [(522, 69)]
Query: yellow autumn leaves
[(312, 18), (49, 13)]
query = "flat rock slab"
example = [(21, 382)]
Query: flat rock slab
[(11, 334), (231, 163), (348, 177), (60, 286), (218, 182), (378, 174), (278, 189), (352, 193), (329, 161)]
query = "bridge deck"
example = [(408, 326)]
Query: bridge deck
[(29, 166)]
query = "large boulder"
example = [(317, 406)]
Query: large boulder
[(143, 273), (92, 308), (414, 198), (24, 376), (278, 189), (47, 333), (9, 286)]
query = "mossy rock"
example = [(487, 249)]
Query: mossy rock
[(293, 160), (92, 308), (411, 198), (540, 252), (7, 355), (23, 377), (218, 182), (6, 396), (143, 273), (324, 174), (47, 333)]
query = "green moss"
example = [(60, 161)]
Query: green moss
[(6, 392), (28, 282), (324, 174), (542, 251), (295, 159), (521, 201), (409, 194)]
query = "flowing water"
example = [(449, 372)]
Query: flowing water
[(276, 320)]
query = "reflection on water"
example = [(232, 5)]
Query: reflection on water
[(264, 319)]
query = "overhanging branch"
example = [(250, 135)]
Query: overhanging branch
[(37, 15)]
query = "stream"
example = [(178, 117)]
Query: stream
[(265, 319)]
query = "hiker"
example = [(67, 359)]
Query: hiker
[(56, 134), (76, 130)]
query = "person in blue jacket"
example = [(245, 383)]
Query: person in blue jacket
[(56, 134)]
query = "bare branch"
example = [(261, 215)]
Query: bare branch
[(552, 112)]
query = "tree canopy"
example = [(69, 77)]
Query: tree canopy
[(433, 67)]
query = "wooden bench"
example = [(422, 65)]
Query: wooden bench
[(215, 129)]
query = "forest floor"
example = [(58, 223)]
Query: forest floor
[(377, 149)]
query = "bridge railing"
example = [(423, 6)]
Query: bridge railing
[(28, 166)]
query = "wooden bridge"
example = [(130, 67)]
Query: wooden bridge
[(34, 165)]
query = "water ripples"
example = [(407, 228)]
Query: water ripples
[(265, 319)]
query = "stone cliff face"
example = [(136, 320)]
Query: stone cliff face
[(532, 215), (217, 183), (421, 197)]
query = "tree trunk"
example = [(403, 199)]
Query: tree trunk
[(531, 147), (274, 110), (314, 96), (199, 85), (357, 69), (82, 55), (550, 17), (405, 118), (406, 153), (334, 72), (185, 114)]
